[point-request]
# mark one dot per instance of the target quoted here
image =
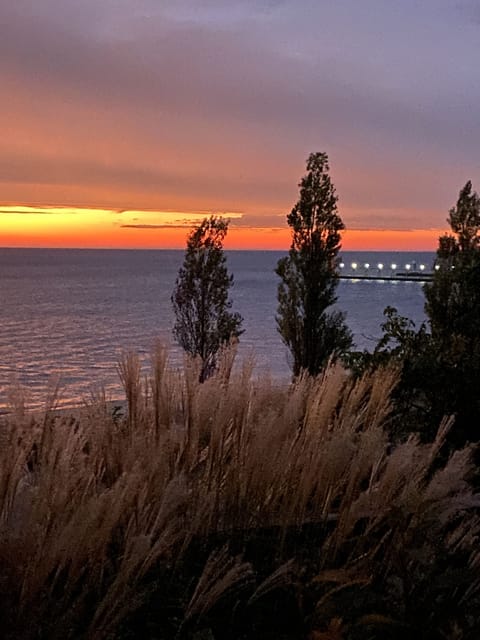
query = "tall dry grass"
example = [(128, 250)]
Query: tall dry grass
[(207, 505)]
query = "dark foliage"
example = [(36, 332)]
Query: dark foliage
[(453, 298), (417, 405), (309, 274), (440, 369), (453, 309), (200, 299)]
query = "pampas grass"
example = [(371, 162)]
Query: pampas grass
[(206, 503)]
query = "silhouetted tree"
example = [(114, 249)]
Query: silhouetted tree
[(411, 351), (440, 368), (453, 310), (453, 297), (200, 299), (309, 274)]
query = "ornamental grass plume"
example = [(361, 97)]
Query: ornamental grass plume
[(235, 506)]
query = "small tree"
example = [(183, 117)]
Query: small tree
[(309, 274), (200, 299)]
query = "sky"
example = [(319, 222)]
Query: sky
[(125, 122)]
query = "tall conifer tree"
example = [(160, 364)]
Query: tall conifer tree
[(309, 274)]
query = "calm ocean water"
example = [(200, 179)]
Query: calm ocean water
[(70, 313)]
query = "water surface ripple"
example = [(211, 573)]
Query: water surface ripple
[(70, 313)]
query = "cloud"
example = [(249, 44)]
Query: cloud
[(469, 11), (155, 226), (19, 211), (173, 65), (252, 221), (200, 104), (236, 221), (164, 186)]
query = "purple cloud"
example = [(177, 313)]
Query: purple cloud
[(223, 101)]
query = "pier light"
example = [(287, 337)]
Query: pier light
[(380, 266), (354, 265), (422, 267), (408, 267), (366, 265), (393, 266), (341, 265)]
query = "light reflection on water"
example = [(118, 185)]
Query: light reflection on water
[(70, 313)]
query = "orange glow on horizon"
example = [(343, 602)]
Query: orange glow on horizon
[(57, 227), (386, 240)]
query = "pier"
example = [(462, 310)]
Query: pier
[(386, 273), (411, 277)]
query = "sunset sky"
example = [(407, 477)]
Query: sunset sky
[(127, 121)]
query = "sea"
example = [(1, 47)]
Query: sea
[(67, 315)]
